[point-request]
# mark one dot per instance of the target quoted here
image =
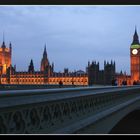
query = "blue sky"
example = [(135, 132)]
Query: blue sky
[(73, 35)]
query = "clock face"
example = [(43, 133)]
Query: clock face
[(134, 51)]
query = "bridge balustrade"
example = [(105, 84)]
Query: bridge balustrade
[(60, 110)]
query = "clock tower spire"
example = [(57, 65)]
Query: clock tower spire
[(135, 38)]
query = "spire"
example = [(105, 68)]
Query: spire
[(111, 62), (44, 62), (31, 63), (52, 64), (45, 52), (135, 34), (104, 62), (88, 63), (10, 45), (135, 38), (3, 44), (3, 38), (45, 48)]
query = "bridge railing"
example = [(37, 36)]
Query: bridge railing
[(60, 110), (34, 86)]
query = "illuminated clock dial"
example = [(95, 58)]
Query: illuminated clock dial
[(135, 51)]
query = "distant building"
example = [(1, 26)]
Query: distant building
[(100, 77), (46, 75)]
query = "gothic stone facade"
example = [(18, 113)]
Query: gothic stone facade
[(46, 75)]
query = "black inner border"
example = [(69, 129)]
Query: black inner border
[(69, 2)]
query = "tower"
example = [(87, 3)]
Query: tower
[(5, 57), (109, 72), (93, 72), (44, 62), (135, 57)]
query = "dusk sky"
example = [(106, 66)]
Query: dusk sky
[(73, 35)]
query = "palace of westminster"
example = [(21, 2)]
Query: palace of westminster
[(92, 76)]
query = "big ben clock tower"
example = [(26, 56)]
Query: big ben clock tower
[(135, 57)]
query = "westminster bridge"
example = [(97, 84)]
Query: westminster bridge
[(78, 110)]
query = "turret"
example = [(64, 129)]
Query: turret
[(52, 67), (31, 67), (15, 67), (3, 45)]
